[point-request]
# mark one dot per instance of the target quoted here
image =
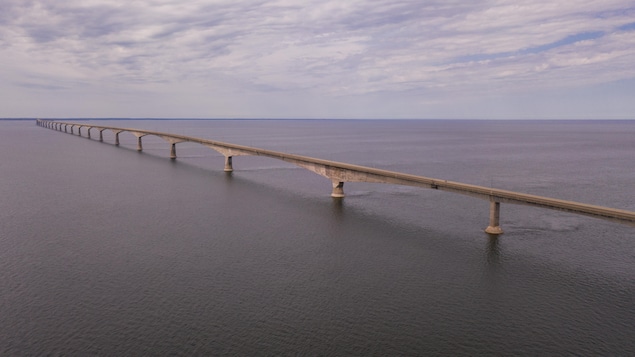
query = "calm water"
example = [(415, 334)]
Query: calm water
[(107, 251)]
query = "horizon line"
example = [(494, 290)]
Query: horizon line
[(368, 119)]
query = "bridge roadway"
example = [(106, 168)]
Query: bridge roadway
[(339, 173)]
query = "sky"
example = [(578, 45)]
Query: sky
[(437, 59)]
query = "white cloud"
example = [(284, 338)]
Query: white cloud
[(258, 53)]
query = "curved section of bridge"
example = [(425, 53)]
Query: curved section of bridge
[(339, 173)]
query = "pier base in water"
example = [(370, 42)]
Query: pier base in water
[(338, 189), (494, 219), (228, 164), (173, 151)]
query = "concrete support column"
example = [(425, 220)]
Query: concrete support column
[(338, 189), (79, 131), (72, 129), (228, 164), (66, 128), (173, 151), (139, 146), (101, 135), (117, 139), (494, 218), (88, 130)]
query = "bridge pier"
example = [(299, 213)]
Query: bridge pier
[(88, 130), (494, 219), (117, 139), (228, 164), (139, 146), (338, 189), (101, 135), (173, 151), (72, 126), (66, 128)]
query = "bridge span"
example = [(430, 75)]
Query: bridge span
[(339, 173)]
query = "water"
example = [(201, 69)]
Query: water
[(107, 251)]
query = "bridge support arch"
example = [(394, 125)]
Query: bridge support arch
[(139, 135), (117, 137), (494, 219)]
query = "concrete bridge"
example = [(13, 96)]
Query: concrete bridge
[(339, 173)]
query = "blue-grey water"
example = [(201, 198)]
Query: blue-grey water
[(107, 251)]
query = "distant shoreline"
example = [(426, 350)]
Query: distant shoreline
[(323, 119)]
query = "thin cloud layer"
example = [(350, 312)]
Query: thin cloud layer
[(322, 58)]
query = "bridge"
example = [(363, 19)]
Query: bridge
[(339, 173)]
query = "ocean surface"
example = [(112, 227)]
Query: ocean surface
[(108, 251)]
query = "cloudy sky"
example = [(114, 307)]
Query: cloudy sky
[(317, 58)]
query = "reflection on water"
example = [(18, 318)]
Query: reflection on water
[(493, 250)]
